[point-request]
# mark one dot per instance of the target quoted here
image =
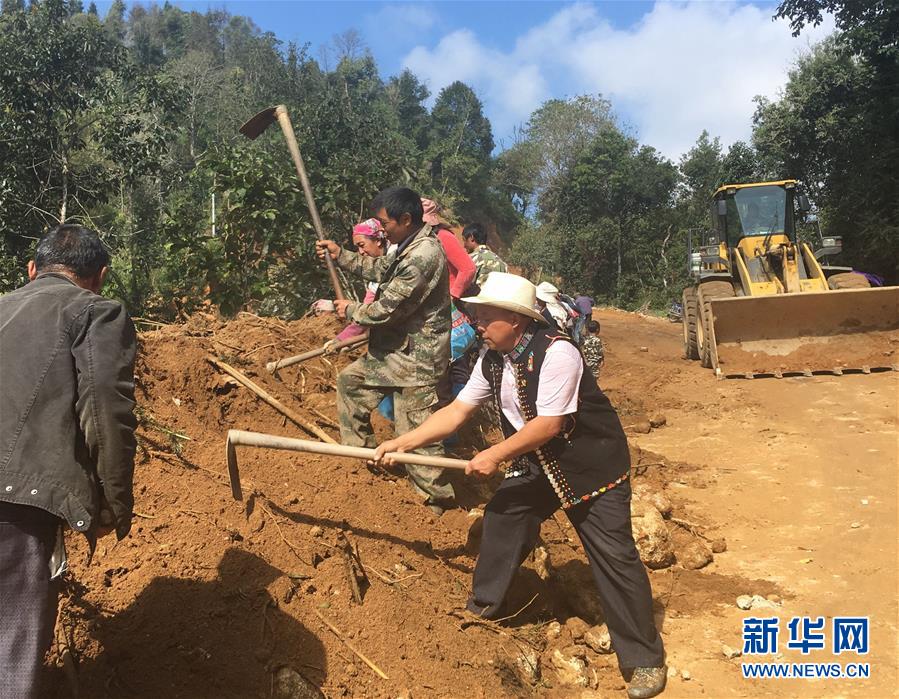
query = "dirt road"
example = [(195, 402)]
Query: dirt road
[(802, 483)]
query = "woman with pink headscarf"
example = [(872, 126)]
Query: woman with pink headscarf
[(369, 240)]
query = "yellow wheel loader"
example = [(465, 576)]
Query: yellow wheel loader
[(762, 303)]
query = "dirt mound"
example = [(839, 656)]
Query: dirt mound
[(213, 597)]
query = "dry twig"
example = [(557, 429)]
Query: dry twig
[(378, 671), (291, 546), (268, 398)]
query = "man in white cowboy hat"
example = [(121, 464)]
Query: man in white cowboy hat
[(565, 447)]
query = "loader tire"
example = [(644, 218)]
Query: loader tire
[(848, 280), (707, 292), (688, 320)]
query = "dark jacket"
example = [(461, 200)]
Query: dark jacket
[(590, 456), (66, 403)]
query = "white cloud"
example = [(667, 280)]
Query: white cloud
[(499, 79), (682, 68), (410, 16)]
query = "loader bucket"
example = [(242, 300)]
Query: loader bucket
[(806, 333)]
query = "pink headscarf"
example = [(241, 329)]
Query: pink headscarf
[(430, 212), (370, 228)]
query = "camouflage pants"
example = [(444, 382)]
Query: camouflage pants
[(357, 396)]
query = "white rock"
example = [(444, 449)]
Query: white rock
[(553, 629), (672, 671), (651, 535), (755, 602), (541, 562), (597, 637), (569, 669), (855, 525), (685, 675), (730, 652), (528, 664)]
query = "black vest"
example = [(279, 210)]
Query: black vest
[(590, 455)]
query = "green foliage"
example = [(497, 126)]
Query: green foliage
[(258, 257), (460, 143), (129, 126), (613, 226), (835, 128)]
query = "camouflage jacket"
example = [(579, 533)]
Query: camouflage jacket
[(486, 261), (409, 321), (594, 355)]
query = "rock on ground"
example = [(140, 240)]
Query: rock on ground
[(290, 684), (651, 535), (598, 639), (577, 627), (570, 668), (655, 497), (695, 555), (528, 666), (541, 562)]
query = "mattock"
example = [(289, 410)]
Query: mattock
[(269, 441), (252, 129)]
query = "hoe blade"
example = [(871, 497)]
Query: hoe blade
[(258, 123)]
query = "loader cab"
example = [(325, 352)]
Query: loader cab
[(763, 209)]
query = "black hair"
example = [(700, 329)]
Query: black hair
[(592, 326), (397, 201), (476, 231), (73, 248)]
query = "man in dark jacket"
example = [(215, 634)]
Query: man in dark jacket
[(66, 436), (564, 447)]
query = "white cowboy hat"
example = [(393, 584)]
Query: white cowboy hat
[(510, 292), (547, 293)]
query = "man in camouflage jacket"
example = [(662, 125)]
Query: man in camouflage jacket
[(409, 327), (485, 260)]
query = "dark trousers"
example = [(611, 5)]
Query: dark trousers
[(511, 526), (27, 597)]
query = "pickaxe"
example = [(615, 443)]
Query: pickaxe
[(256, 126)]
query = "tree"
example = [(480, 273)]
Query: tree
[(128, 126), (868, 27), (10, 6), (741, 164), (349, 44), (107, 127), (114, 22), (835, 130), (408, 94), (92, 9), (461, 141), (612, 224), (557, 133), (617, 181)]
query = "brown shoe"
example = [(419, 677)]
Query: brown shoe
[(647, 682)]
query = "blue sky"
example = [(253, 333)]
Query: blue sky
[(669, 68)]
